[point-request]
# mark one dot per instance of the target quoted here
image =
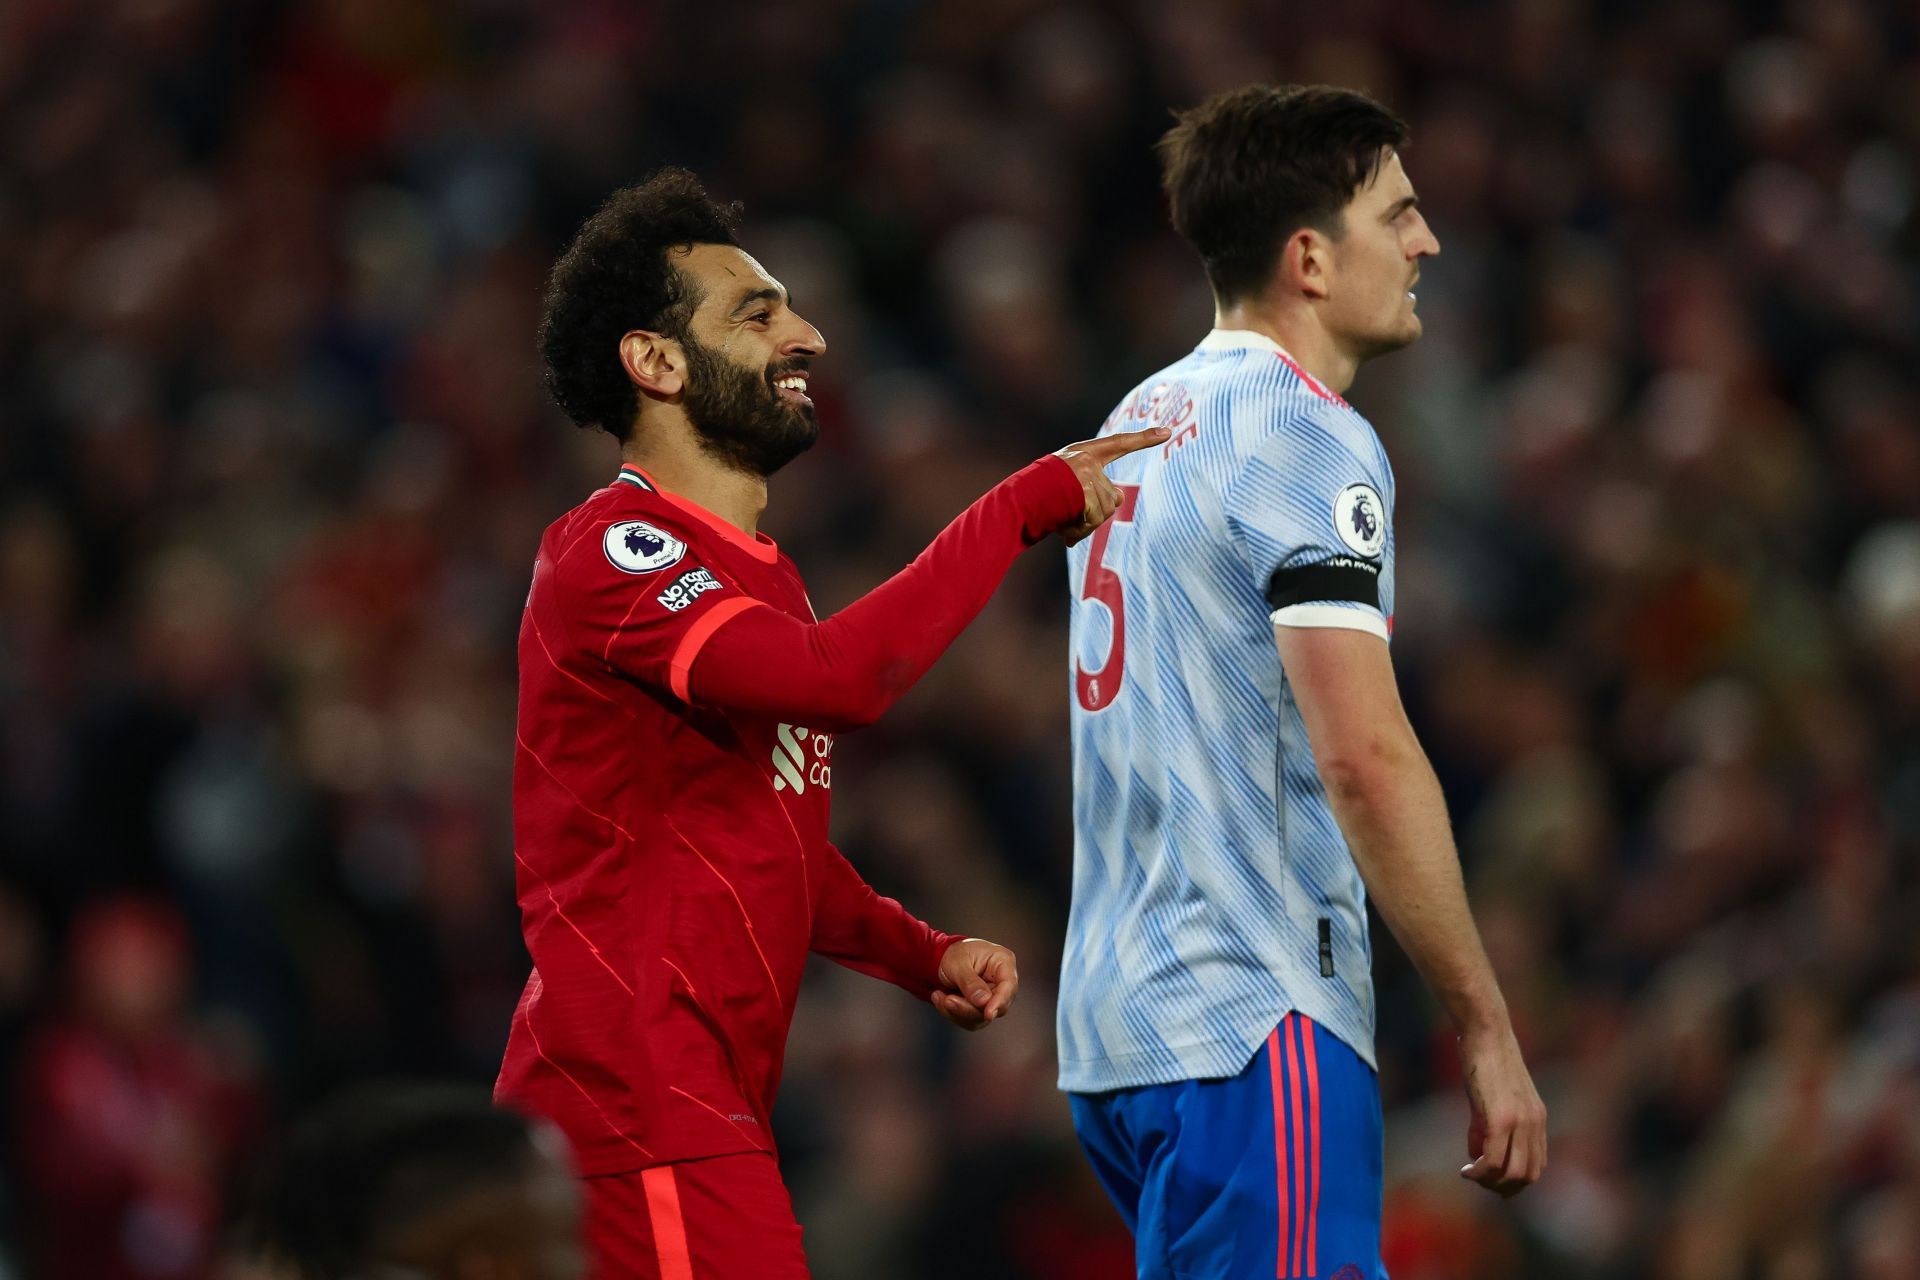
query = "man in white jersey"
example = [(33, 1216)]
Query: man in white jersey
[(1244, 773)]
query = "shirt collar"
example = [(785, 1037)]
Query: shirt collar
[(1240, 340), (759, 546), (1248, 340)]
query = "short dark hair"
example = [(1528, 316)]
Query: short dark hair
[(617, 276), (371, 1163), (1246, 169)]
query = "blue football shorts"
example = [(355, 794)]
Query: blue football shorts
[(1275, 1172)]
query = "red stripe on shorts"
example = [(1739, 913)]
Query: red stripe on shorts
[(1307, 1030), (669, 1231), (1299, 1150), (1279, 1139)]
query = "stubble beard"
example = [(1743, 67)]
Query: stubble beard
[(739, 417), (1404, 331)]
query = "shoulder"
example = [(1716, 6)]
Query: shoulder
[(621, 540), (1291, 413), (1313, 461), (619, 532)]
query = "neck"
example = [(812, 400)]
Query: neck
[(1295, 326), (670, 452)]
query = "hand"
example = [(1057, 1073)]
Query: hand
[(1089, 459), (1508, 1135), (979, 981)]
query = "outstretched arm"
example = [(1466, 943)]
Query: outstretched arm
[(1390, 808), (846, 671)]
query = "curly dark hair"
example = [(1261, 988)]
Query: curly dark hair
[(369, 1165), (617, 276), (1246, 169)]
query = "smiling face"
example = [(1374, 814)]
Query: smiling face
[(1374, 263), (748, 359)]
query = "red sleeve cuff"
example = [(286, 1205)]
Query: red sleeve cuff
[(942, 943), (1051, 496)]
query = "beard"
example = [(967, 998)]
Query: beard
[(1388, 339), (741, 419)]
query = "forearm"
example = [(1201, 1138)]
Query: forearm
[(846, 671), (1394, 817), (868, 932)]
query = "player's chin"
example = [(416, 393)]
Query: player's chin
[(803, 430), (1392, 337), (768, 456), (798, 418), (797, 432)]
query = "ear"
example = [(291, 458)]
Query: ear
[(1305, 263), (656, 363)]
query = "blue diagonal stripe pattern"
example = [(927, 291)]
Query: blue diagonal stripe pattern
[(1208, 868)]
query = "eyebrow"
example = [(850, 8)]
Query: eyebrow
[(1401, 205), (768, 294)]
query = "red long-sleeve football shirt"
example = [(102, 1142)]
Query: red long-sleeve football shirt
[(671, 786)]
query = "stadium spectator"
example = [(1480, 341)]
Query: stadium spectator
[(132, 1121), (274, 460)]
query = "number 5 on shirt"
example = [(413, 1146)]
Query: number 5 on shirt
[(1098, 688)]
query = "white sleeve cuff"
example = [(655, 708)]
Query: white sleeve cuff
[(1331, 615)]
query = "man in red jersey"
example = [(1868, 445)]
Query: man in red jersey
[(678, 701)]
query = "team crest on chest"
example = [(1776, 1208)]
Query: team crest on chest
[(634, 546), (1360, 518)]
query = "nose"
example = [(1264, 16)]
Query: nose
[(1423, 244), (807, 341)]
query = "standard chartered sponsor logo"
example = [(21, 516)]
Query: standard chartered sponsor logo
[(802, 758)]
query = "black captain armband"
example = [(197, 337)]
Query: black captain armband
[(1341, 578)]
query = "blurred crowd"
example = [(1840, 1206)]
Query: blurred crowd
[(274, 461)]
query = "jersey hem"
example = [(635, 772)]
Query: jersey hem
[(1229, 1057), (610, 1160)]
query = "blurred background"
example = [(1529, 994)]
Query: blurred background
[(274, 461)]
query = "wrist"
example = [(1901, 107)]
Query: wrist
[(1049, 495), (942, 943), (1482, 1021)]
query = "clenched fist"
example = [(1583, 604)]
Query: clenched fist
[(978, 980)]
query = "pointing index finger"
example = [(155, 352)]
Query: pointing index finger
[(1107, 448)]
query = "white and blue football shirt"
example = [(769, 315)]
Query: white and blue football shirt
[(1212, 889)]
